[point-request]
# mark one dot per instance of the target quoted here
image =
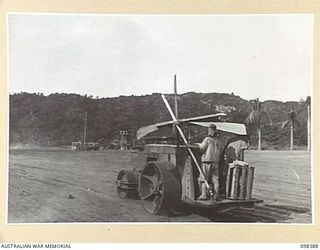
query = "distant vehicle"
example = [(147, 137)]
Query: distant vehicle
[(85, 146), (115, 145)]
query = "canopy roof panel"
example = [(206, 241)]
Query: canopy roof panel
[(203, 121), (234, 128)]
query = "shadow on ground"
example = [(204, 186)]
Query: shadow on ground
[(264, 213)]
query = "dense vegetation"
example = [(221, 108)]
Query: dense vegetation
[(58, 119)]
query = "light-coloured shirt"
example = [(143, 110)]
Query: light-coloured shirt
[(211, 148)]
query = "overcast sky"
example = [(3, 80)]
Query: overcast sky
[(266, 56)]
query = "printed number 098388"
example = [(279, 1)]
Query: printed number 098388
[(309, 246)]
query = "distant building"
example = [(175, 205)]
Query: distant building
[(225, 108), (123, 139)]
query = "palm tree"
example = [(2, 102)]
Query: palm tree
[(257, 117), (292, 122), (308, 101)]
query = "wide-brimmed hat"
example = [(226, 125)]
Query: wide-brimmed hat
[(214, 127)]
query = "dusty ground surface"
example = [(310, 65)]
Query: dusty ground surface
[(60, 185)]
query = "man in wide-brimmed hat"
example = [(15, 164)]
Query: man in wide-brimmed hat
[(211, 152)]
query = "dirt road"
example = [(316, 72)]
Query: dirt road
[(60, 185)]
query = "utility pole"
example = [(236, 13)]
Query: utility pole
[(309, 122), (85, 128), (176, 107), (176, 97)]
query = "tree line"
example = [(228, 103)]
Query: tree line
[(58, 119)]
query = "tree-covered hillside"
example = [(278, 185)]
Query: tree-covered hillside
[(58, 119)]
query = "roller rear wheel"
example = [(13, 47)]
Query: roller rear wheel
[(160, 188)]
